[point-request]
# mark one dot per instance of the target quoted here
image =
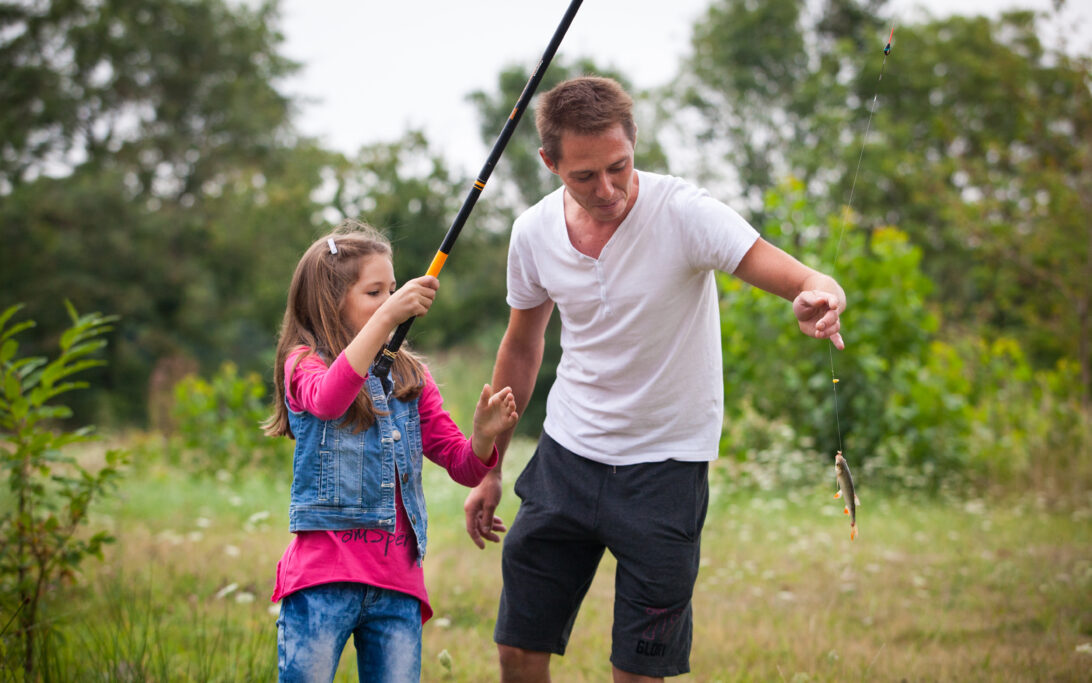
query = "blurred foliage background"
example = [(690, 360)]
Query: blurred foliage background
[(150, 168), (153, 175)]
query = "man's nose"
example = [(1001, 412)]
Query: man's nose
[(603, 186)]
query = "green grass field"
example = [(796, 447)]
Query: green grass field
[(974, 590)]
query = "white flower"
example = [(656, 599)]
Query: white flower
[(170, 536), (254, 521), (232, 551), (226, 591), (445, 659), (244, 598), (975, 507)]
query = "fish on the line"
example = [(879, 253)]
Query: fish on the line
[(845, 488)]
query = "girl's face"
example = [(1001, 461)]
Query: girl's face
[(373, 286)]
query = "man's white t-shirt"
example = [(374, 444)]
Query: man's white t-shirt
[(640, 377)]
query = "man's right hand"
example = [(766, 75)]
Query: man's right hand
[(481, 524)]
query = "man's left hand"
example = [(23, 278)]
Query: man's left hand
[(817, 313)]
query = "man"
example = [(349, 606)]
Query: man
[(634, 416)]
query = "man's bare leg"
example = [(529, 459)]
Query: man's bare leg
[(530, 666), (523, 666), (626, 677)]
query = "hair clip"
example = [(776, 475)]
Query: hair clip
[(330, 241)]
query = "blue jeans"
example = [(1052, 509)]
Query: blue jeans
[(315, 624)]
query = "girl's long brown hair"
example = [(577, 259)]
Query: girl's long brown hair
[(313, 319)]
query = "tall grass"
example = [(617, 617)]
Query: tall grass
[(931, 590), (973, 584)]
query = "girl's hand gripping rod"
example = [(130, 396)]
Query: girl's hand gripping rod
[(381, 367)]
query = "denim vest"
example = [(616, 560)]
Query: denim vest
[(346, 480)]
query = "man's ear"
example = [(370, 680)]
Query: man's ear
[(548, 161)]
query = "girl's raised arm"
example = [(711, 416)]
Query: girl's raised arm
[(412, 299)]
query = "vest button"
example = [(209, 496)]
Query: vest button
[(405, 477), (396, 435)]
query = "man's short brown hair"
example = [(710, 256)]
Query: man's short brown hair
[(586, 106)]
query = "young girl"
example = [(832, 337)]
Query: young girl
[(357, 508)]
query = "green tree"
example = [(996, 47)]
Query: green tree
[(978, 148), (189, 207), (172, 92), (51, 491), (205, 282), (149, 168), (769, 90)]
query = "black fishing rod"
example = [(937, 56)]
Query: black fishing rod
[(381, 367)]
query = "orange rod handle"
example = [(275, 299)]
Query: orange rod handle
[(437, 264)]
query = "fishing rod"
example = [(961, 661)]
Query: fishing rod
[(381, 367)]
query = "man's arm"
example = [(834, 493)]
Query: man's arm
[(518, 361), (818, 300)]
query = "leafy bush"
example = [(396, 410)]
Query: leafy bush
[(782, 373), (768, 454), (1030, 428), (912, 408), (52, 492), (218, 424)]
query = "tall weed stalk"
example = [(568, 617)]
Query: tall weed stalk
[(41, 544)]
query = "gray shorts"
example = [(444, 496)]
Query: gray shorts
[(649, 516)]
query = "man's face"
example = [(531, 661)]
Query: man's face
[(597, 171)]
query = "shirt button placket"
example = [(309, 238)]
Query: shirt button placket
[(602, 279)]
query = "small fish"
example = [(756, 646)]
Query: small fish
[(845, 488)]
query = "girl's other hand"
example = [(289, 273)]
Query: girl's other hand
[(494, 415)]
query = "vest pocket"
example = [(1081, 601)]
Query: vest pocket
[(327, 476)]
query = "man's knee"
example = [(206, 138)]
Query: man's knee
[(523, 666)]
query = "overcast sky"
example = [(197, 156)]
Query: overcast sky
[(373, 69)]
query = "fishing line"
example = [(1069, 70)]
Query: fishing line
[(845, 219)]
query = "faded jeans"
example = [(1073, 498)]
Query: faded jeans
[(315, 623)]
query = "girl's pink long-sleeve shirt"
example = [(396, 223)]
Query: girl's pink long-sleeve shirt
[(372, 556)]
